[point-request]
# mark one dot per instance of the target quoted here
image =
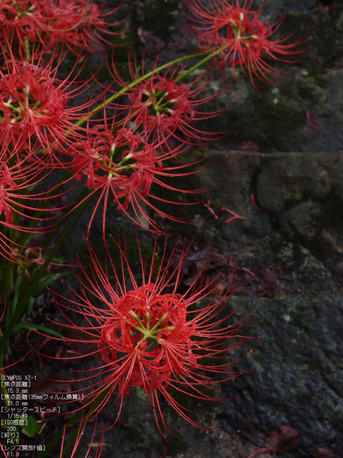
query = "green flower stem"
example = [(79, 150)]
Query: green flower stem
[(7, 268), (81, 197), (45, 204), (6, 279), (201, 63), (153, 72), (32, 289), (7, 400), (27, 48), (77, 415)]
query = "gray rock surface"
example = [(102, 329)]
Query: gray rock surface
[(297, 381)]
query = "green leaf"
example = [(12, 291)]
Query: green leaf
[(48, 279), (38, 327), (31, 304), (32, 427)]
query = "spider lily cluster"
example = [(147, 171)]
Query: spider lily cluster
[(147, 334)]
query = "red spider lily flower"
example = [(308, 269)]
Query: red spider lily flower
[(122, 166), (166, 109), (52, 23), (33, 106), (247, 38), (151, 335)]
